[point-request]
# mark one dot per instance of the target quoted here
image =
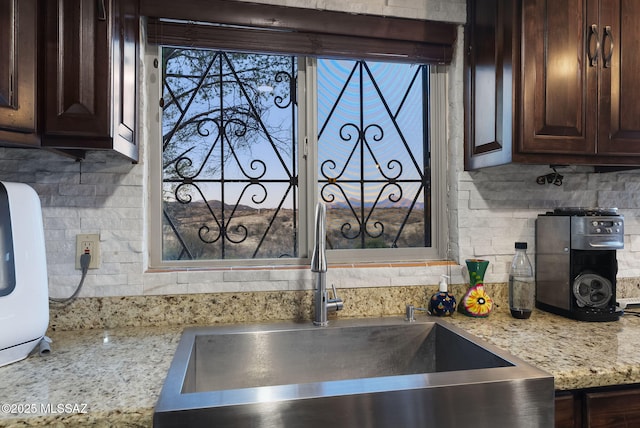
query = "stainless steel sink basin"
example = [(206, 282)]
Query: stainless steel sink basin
[(355, 373)]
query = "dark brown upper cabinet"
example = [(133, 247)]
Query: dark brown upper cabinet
[(491, 58), (575, 88), (18, 72), (91, 63), (619, 114)]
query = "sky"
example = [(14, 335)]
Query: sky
[(339, 128)]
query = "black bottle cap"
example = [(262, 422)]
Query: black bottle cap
[(521, 245)]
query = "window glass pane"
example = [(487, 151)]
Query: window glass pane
[(229, 180), (373, 154)]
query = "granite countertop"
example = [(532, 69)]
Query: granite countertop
[(113, 377), (107, 377)]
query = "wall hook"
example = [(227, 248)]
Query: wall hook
[(552, 178)]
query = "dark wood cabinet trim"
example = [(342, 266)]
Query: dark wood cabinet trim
[(254, 27), (302, 19), (295, 43)]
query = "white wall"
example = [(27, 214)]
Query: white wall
[(489, 210)]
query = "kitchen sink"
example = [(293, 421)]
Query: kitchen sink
[(355, 373)]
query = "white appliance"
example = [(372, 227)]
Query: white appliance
[(24, 293)]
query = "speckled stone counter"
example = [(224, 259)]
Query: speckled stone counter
[(90, 378), (115, 375), (578, 354), (104, 377)]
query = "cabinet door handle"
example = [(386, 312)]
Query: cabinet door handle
[(593, 35), (102, 10), (607, 56)]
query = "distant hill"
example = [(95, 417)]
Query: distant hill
[(270, 232), (383, 203), (216, 204)]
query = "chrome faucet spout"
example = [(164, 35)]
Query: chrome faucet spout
[(319, 258), (322, 304)]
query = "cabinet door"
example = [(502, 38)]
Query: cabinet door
[(620, 409), (77, 94), (567, 411), (126, 23), (18, 71), (559, 77), (489, 82), (91, 69), (619, 120)]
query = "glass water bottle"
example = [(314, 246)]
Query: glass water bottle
[(522, 285)]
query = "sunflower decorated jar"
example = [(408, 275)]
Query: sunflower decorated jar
[(476, 302)]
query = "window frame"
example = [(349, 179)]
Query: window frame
[(437, 104), (307, 171)]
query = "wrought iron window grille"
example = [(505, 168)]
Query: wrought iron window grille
[(214, 148)]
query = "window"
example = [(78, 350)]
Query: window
[(250, 141), (373, 153), (229, 155)]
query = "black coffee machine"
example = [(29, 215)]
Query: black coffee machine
[(576, 263)]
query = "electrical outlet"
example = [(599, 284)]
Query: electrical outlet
[(88, 243)]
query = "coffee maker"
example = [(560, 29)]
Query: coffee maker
[(576, 263)]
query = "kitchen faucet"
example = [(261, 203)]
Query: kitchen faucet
[(322, 304)]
